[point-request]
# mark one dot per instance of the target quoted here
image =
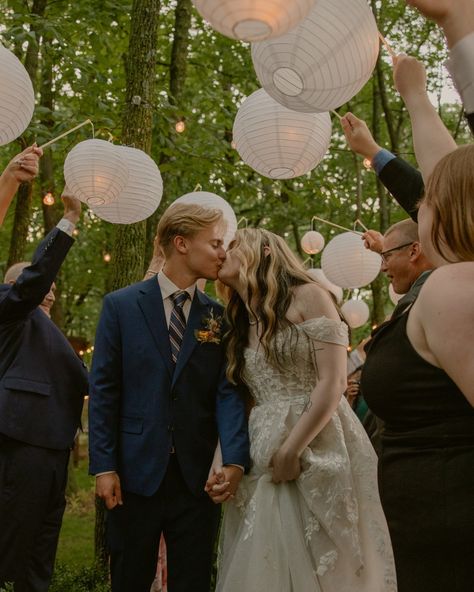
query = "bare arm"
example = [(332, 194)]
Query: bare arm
[(431, 140), (22, 168), (331, 362), (455, 17), (440, 331)]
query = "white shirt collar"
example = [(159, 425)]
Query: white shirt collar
[(168, 288)]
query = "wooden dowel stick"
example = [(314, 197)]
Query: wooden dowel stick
[(337, 225), (336, 114), (387, 45), (67, 133), (361, 224)]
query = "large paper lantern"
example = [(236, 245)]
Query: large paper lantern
[(17, 98), (318, 275), (277, 142), (96, 172), (356, 313), (253, 20), (212, 201), (324, 61), (142, 194), (312, 242), (347, 263)]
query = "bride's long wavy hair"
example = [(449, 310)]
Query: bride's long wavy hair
[(270, 271)]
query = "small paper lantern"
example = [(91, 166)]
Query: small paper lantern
[(277, 142), (347, 263), (142, 194), (394, 297), (253, 20), (17, 97), (324, 61), (312, 242), (356, 313), (212, 201), (318, 275), (96, 172)]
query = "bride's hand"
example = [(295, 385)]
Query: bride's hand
[(286, 466)]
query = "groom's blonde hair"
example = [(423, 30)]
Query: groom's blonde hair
[(185, 220)]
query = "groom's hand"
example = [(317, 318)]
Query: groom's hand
[(221, 487), (107, 487)]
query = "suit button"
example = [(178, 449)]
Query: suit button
[(171, 428)]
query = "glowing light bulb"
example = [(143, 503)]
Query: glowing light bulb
[(48, 199), (367, 163), (180, 126), (107, 257)]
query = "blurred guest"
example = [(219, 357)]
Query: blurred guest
[(21, 169), (42, 386)]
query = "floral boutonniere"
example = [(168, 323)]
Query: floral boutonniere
[(211, 329)]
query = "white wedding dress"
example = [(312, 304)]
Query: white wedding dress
[(326, 531)]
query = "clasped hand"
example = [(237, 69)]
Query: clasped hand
[(286, 466)]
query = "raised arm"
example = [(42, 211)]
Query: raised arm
[(22, 168), (403, 180), (431, 140), (35, 281)]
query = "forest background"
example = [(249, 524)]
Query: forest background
[(93, 58), (136, 69)]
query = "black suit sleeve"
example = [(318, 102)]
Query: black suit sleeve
[(405, 183), (35, 281), (470, 120)]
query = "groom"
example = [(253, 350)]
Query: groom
[(159, 401)]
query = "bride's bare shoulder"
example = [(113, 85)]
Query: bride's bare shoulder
[(312, 301)]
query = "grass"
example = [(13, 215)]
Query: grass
[(76, 540)]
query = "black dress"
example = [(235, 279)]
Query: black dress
[(426, 466)]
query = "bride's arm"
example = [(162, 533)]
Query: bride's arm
[(331, 364)]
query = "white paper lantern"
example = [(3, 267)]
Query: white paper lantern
[(142, 194), (277, 142), (356, 313), (212, 201), (253, 20), (312, 242), (394, 297), (96, 172), (323, 281), (17, 98), (324, 61), (347, 263)]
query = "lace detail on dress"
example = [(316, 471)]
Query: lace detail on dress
[(326, 530)]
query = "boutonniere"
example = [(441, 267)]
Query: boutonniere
[(211, 329)]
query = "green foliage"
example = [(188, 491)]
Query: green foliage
[(87, 42), (79, 579)]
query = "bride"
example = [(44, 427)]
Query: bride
[(307, 518)]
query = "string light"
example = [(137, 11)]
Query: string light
[(180, 126), (367, 163), (48, 199), (75, 232), (107, 257)]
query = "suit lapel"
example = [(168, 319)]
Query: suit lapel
[(150, 302), (198, 310)]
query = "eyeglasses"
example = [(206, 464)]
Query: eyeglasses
[(386, 254)]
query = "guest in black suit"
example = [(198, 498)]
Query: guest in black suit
[(42, 387)]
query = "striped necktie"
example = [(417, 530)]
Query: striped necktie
[(177, 322)]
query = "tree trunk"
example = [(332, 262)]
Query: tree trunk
[(23, 198), (129, 249), (178, 68)]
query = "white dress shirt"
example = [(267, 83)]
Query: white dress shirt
[(167, 289)]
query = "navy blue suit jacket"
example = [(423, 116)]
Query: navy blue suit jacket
[(140, 405), (42, 380)]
